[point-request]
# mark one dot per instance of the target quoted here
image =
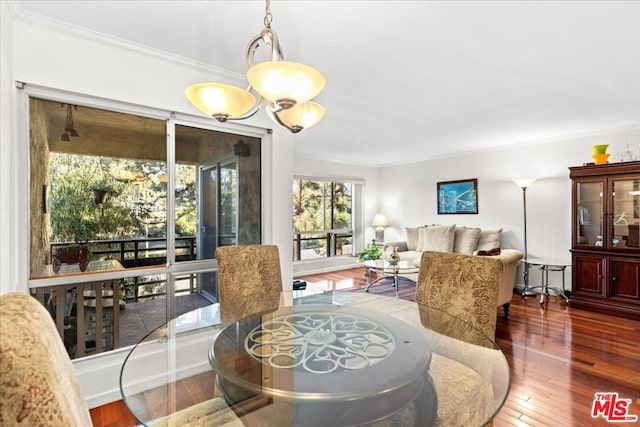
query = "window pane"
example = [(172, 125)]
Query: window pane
[(99, 178), (217, 189), (322, 219), (141, 309), (217, 194), (626, 211), (590, 208)]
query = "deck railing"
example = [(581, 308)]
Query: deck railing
[(140, 252), (321, 243)]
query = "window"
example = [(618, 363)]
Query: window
[(101, 207), (322, 219)]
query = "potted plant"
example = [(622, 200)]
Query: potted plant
[(371, 252), (100, 193)]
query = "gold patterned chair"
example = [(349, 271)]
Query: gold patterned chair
[(247, 270), (466, 287), (38, 383)]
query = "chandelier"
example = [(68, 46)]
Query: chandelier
[(285, 89)]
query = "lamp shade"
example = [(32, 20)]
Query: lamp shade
[(219, 99), (380, 221), (301, 116), (282, 80), (524, 182)]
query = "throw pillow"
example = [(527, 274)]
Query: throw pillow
[(436, 238), (421, 236), (412, 237), (489, 239), (466, 240)]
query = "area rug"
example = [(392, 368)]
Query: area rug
[(406, 288)]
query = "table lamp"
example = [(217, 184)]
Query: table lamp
[(380, 222)]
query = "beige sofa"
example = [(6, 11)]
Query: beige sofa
[(464, 240)]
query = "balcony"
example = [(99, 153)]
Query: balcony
[(90, 322), (322, 244)]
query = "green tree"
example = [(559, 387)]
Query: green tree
[(136, 198), (74, 214)]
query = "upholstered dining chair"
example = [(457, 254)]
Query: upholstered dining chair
[(245, 270), (38, 383), (465, 287)]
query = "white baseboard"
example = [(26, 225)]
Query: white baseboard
[(303, 268)]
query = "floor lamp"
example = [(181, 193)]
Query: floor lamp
[(525, 183)]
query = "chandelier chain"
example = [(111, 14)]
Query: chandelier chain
[(268, 17)]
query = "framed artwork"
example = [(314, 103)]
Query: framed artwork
[(458, 197)]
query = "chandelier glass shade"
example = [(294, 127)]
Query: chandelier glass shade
[(284, 88), (283, 82), (220, 100), (301, 116)]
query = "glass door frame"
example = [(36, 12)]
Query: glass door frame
[(216, 165)]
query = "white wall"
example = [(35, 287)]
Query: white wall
[(8, 275), (408, 192)]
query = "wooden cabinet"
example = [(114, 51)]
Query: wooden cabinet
[(605, 234)]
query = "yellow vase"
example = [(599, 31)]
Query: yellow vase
[(601, 159)]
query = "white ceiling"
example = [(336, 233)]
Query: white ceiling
[(411, 80)]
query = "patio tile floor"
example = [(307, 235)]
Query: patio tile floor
[(138, 319)]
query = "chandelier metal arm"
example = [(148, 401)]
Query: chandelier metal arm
[(270, 39), (274, 115)]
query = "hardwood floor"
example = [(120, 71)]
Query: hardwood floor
[(559, 357)]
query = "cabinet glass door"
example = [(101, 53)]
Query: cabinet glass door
[(625, 214), (589, 213)]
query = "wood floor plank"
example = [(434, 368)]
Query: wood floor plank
[(559, 356)]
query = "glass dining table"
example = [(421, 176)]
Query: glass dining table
[(308, 358)]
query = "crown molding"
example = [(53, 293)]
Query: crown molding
[(520, 144), (15, 9), (27, 17)]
